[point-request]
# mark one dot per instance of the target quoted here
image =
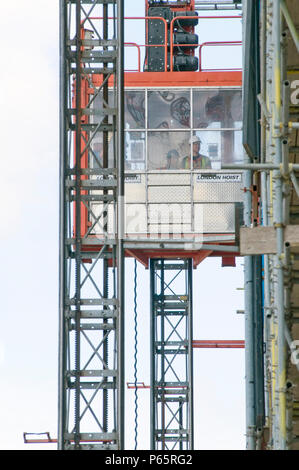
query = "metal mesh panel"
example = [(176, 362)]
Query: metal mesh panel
[(167, 178), (175, 231), (169, 219), (169, 213), (136, 222), (214, 218), (171, 194), (217, 192)]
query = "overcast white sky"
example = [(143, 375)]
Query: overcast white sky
[(29, 254)]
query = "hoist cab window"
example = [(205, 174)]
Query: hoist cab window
[(182, 129), (175, 142)]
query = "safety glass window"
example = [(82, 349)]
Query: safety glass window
[(134, 150), (169, 109), (134, 109), (167, 150), (217, 109)]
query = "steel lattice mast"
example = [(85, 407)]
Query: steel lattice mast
[(171, 355), (91, 359)]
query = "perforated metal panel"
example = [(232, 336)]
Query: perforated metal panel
[(174, 231), (164, 203), (221, 187), (169, 213), (168, 178), (172, 194), (135, 219), (214, 218), (217, 191)]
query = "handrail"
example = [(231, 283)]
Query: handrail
[(172, 45), (144, 18), (189, 18), (215, 43), (134, 44)]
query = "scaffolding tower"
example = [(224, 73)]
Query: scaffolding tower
[(271, 233), (91, 355)]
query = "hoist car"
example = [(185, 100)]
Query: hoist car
[(181, 125)]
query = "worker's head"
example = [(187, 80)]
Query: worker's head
[(195, 141)]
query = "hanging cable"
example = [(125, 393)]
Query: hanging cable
[(135, 352)]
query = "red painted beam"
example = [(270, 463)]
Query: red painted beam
[(138, 385), (48, 439), (219, 343)]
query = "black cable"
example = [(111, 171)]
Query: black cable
[(135, 352)]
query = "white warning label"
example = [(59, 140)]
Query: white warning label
[(219, 178), (132, 179)]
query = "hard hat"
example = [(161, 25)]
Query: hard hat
[(194, 139)]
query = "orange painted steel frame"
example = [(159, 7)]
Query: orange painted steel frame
[(85, 92), (144, 255), (166, 79), (178, 79)]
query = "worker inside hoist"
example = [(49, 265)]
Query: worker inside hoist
[(199, 161)]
